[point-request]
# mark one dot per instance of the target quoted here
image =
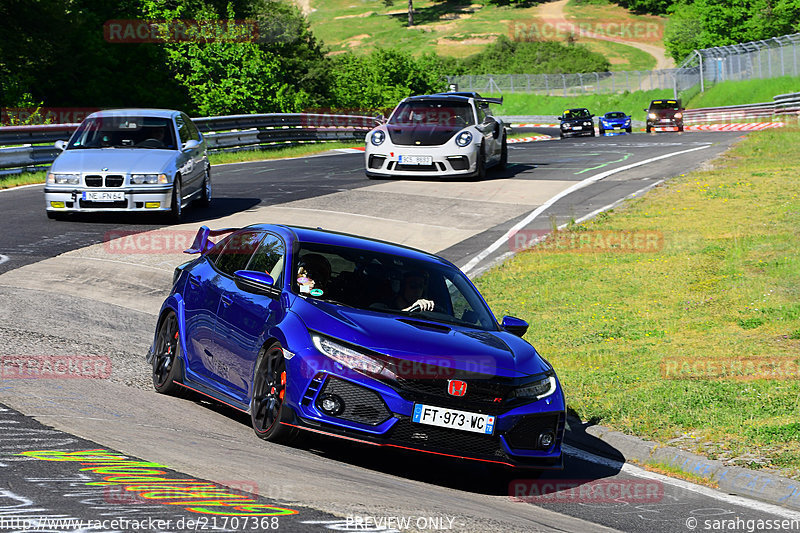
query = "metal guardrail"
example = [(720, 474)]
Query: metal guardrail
[(782, 104), (31, 147)]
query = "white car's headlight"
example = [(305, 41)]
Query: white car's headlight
[(351, 358), (464, 138), (139, 179), (537, 390), (63, 179), (378, 137)]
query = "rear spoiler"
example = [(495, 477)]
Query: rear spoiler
[(490, 100), (201, 243)]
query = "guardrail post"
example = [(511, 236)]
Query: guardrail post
[(564, 79)]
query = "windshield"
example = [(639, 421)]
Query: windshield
[(389, 284), (577, 113), (665, 104), (433, 112), (615, 114), (125, 132)]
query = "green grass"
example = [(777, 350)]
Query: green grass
[(725, 286), (744, 92), (300, 150), (632, 103), (621, 56)]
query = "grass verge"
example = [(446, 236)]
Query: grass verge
[(641, 340), (745, 92), (28, 178)]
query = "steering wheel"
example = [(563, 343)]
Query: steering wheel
[(151, 143)]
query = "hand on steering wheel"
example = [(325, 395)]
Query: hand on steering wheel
[(421, 305)]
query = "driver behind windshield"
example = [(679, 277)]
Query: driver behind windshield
[(412, 289)]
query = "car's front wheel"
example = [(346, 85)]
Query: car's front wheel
[(269, 396), (503, 154), (205, 194), (166, 356), (480, 164), (176, 210)]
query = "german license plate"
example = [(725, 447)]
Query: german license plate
[(104, 196), (577, 127), (416, 160), (453, 418)]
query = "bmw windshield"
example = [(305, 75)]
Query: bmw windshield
[(125, 132), (387, 283), (433, 113)]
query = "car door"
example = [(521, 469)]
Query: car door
[(186, 158), (235, 253), (244, 318), (487, 126), (197, 154)]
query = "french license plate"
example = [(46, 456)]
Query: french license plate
[(416, 160), (104, 196), (453, 418)]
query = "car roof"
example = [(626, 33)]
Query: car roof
[(335, 238), (578, 109), (623, 112), (439, 96), (145, 112)]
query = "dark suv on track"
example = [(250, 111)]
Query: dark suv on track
[(665, 114)]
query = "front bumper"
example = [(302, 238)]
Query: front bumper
[(135, 199), (379, 414), (384, 161), (576, 129)]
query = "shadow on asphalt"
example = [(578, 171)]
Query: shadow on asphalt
[(458, 474)]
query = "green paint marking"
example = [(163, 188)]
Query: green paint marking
[(626, 156)]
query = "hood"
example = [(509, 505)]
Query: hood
[(116, 160), (577, 120), (422, 134), (620, 120), (418, 340), (665, 113)]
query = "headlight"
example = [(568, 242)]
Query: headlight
[(63, 179), (351, 358), (587, 123), (564, 126), (378, 137), (464, 138), (536, 390), (138, 179), (652, 115), (678, 115)]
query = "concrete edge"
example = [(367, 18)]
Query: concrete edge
[(606, 442)]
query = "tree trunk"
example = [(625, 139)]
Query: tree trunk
[(410, 13)]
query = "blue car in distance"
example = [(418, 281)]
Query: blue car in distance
[(615, 122), (309, 330)]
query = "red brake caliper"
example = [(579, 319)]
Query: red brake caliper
[(283, 382)]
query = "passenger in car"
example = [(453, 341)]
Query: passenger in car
[(313, 272)]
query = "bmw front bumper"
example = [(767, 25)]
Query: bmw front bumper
[(73, 200)]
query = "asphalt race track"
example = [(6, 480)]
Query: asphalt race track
[(67, 289)]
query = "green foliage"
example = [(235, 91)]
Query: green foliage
[(655, 7), (505, 56), (382, 78)]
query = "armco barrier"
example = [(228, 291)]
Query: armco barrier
[(31, 147), (782, 105)]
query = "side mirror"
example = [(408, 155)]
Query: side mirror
[(190, 145), (61, 145), (514, 325), (559, 118), (256, 282)]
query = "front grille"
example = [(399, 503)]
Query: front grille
[(114, 181), (525, 433), (376, 161), (459, 163), (94, 181), (89, 204), (482, 395), (420, 168), (360, 403), (445, 440)]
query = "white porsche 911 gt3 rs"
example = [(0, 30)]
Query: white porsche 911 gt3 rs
[(445, 134)]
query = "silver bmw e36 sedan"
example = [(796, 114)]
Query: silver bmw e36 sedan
[(130, 160)]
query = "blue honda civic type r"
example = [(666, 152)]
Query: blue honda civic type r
[(309, 330)]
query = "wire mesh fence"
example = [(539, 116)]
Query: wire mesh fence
[(753, 60)]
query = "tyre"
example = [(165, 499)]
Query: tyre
[(480, 165), (560, 134), (52, 215), (593, 134), (503, 164), (680, 128), (176, 210), (269, 388), (205, 194), (167, 355), (628, 130), (602, 132)]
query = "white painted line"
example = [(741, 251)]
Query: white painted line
[(18, 187), (3, 259), (681, 484), (542, 208)]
